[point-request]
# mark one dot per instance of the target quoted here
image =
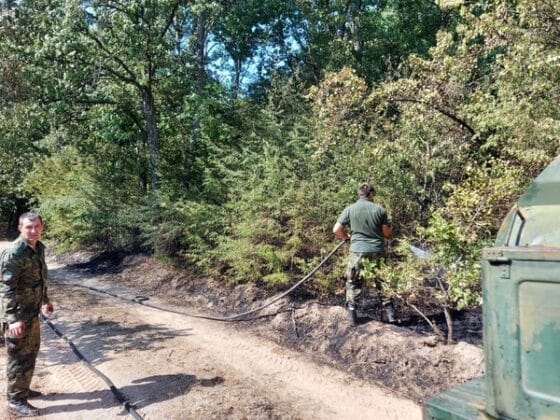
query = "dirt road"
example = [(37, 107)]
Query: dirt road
[(175, 367)]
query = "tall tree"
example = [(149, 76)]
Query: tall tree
[(371, 36), (95, 49), (131, 43), (249, 31), (21, 124)]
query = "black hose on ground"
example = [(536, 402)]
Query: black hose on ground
[(118, 394), (141, 300)]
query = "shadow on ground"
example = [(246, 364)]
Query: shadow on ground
[(141, 393), (97, 339)]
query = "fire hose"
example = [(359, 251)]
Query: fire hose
[(232, 318), (128, 406)]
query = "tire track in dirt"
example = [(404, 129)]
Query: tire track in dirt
[(176, 367), (317, 392), (155, 364), (284, 377)]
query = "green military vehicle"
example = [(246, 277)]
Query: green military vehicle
[(521, 314)]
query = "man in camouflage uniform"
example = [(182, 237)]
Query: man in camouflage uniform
[(23, 294), (369, 227)]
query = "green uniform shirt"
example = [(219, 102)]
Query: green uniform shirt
[(23, 275), (365, 219)]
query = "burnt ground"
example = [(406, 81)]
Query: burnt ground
[(405, 356)]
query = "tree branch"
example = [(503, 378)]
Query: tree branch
[(169, 20), (132, 77), (448, 114)]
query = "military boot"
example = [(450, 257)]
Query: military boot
[(352, 318), (34, 394), (21, 408)]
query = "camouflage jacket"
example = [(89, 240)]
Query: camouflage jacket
[(23, 285)]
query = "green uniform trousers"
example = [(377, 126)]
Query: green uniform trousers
[(22, 353), (354, 278)]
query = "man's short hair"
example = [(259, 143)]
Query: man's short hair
[(31, 216), (365, 189)]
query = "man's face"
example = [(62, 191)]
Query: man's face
[(31, 230)]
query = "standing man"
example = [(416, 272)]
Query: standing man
[(369, 226), (23, 294)]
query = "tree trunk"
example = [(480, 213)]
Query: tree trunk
[(190, 151), (201, 39), (237, 81), (449, 322), (357, 41), (152, 133)]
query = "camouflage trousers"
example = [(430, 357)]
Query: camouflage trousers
[(22, 353), (354, 279)]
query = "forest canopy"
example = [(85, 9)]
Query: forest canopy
[(226, 136)]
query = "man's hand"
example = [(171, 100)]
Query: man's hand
[(338, 230), (17, 329), (387, 231), (47, 309)]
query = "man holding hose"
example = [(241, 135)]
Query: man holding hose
[(368, 226)]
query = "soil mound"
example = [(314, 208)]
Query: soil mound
[(406, 357)]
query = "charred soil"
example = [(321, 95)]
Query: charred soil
[(405, 357)]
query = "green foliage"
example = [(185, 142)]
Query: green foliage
[(458, 262), (72, 198), (454, 236), (403, 277), (369, 36), (183, 231), (259, 241), (117, 124), (20, 130)]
